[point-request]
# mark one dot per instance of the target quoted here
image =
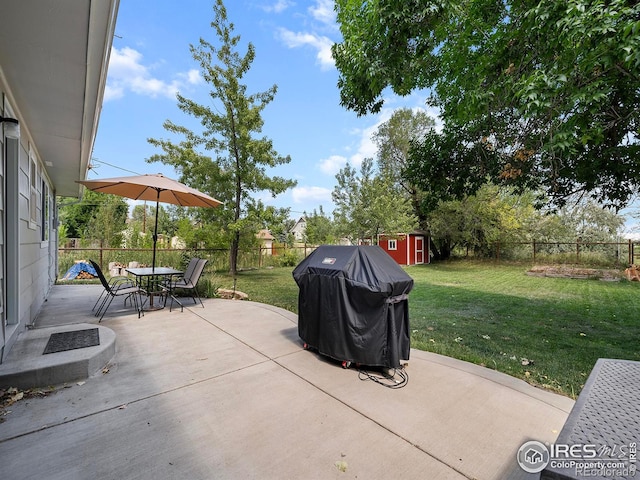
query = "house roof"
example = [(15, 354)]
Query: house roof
[(265, 235), (54, 58), (301, 223), (413, 232)]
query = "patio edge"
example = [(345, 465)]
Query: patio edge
[(26, 366)]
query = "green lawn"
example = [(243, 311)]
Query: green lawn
[(547, 331)]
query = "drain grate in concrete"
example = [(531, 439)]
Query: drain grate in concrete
[(63, 341)]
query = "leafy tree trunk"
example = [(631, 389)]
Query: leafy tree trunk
[(233, 254), (441, 250), (235, 241)]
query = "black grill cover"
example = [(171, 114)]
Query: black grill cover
[(352, 305)]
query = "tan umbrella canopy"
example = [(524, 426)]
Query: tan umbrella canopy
[(154, 187)]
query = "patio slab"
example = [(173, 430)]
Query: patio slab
[(228, 392)]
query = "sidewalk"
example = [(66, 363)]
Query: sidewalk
[(227, 392)]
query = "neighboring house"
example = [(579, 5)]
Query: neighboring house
[(299, 230), (266, 241), (177, 242), (53, 68), (407, 248)]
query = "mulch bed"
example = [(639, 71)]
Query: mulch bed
[(561, 271)]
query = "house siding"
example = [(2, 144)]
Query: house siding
[(400, 253), (35, 269)]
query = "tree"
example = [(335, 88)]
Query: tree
[(550, 86), (477, 222), (229, 128), (97, 216), (394, 139), (75, 214), (368, 205), (447, 166), (267, 217), (592, 223), (109, 221), (143, 221), (197, 235), (320, 229), (499, 215)]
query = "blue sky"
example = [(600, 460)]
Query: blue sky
[(150, 62)]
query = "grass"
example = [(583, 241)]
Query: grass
[(273, 286), (547, 331)]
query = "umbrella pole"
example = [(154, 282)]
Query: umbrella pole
[(155, 235)]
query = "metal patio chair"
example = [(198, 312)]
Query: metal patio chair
[(117, 282), (116, 290), (188, 282)]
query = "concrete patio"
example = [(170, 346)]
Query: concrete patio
[(228, 392)]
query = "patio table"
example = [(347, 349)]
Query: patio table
[(149, 280)]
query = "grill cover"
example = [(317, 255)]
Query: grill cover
[(353, 306)]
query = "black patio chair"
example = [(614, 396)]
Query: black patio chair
[(188, 283), (116, 290), (117, 282)]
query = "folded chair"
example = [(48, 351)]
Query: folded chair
[(188, 282), (114, 290)]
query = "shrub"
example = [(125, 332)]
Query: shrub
[(289, 258)]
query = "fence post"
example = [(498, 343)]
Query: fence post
[(630, 251), (578, 250), (534, 251)]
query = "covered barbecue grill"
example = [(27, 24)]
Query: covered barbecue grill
[(353, 306)]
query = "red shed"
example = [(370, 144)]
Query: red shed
[(407, 248)]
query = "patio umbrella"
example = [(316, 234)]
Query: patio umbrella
[(153, 187)]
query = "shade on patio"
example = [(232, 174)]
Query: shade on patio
[(152, 187)]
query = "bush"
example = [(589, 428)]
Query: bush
[(208, 286), (289, 258)]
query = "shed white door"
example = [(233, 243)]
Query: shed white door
[(419, 250)]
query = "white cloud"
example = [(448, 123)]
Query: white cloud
[(323, 12), (303, 194), (192, 77), (278, 7), (125, 63), (320, 43), (366, 147), (113, 92), (128, 73), (333, 164)]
